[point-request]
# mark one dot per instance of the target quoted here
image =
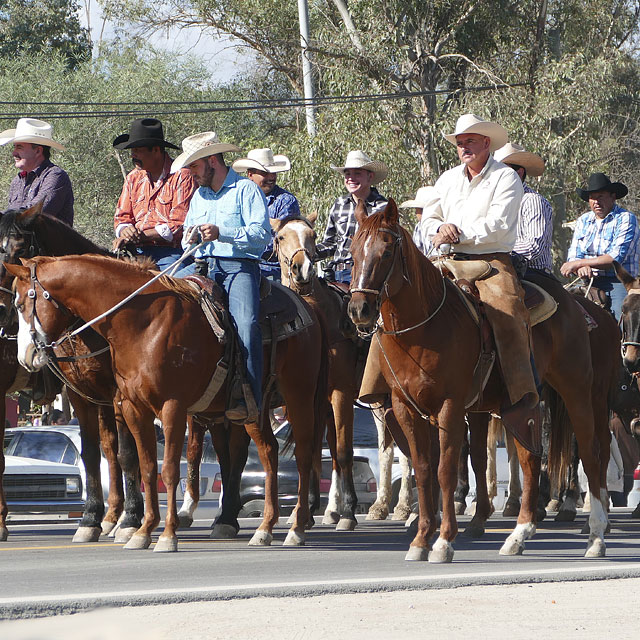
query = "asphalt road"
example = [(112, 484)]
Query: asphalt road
[(44, 574)]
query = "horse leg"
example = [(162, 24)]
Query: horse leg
[(569, 507), (195, 440), (89, 528), (379, 510), (4, 509), (526, 524), (512, 506), (492, 444), (462, 488), (478, 432), (334, 502), (110, 445), (402, 510)]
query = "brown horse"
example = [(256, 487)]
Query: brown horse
[(164, 356), (91, 385), (430, 346)]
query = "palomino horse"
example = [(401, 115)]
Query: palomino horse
[(91, 385), (295, 243), (164, 356), (430, 345)]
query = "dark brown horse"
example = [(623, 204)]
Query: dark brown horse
[(431, 345), (91, 385), (164, 356)]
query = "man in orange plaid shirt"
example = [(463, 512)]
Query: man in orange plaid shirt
[(154, 202)]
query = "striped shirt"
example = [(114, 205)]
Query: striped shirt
[(535, 230), (617, 235), (341, 226)]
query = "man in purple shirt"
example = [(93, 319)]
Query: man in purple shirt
[(38, 180)]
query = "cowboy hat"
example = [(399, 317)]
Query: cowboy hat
[(601, 182), (516, 154), (360, 160), (424, 197), (470, 123), (33, 131), (143, 132), (262, 160), (199, 146)]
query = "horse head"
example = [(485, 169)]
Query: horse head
[(376, 249), (630, 321), (295, 242)]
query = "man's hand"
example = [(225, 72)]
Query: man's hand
[(575, 266), (447, 234), (130, 234), (585, 272), (118, 243), (209, 232)]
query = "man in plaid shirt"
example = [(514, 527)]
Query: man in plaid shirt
[(360, 175), (606, 233)]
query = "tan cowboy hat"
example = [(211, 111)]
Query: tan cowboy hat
[(424, 197), (199, 146), (516, 154), (262, 160), (470, 123), (360, 160), (33, 131)]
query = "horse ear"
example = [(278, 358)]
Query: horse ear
[(361, 211), (26, 217), (624, 276), (312, 217), (390, 212), (19, 271), (275, 223)]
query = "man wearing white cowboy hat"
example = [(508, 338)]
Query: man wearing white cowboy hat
[(606, 233), (39, 179), (153, 203), (477, 214), (535, 225), (424, 197), (262, 167), (360, 175), (230, 213)]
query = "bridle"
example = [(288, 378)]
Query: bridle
[(288, 260), (626, 343)]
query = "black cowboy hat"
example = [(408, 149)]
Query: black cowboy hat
[(600, 182), (144, 132)]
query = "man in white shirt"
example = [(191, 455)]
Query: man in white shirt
[(477, 213)]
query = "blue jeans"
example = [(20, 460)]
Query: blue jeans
[(615, 291), (343, 275), (241, 280), (163, 256)]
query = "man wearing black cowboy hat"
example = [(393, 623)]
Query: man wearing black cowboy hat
[(154, 202), (606, 233)]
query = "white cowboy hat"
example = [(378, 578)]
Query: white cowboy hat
[(31, 130), (199, 146), (424, 197), (470, 123), (516, 154), (262, 160), (360, 160)]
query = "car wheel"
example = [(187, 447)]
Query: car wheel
[(252, 509)]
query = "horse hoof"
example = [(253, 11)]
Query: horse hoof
[(377, 512), (512, 548), (87, 534), (185, 520), (330, 517), (261, 538), (138, 541), (553, 505), (511, 509), (346, 524), (565, 516), (596, 549), (224, 532), (4, 534), (459, 508), (474, 530), (124, 534), (417, 554), (441, 552), (294, 539), (634, 514), (401, 513), (166, 545), (471, 509)]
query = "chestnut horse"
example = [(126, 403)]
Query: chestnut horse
[(430, 345), (164, 356), (91, 385)]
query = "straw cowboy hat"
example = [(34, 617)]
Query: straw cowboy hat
[(470, 123), (199, 146), (424, 197), (33, 131), (262, 160), (601, 182), (360, 160), (516, 154), (143, 132)]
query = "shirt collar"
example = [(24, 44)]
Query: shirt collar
[(490, 161), (230, 181), (612, 214), (38, 170)]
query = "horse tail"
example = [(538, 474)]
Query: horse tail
[(560, 455)]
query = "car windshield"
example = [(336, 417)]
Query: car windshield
[(54, 447)]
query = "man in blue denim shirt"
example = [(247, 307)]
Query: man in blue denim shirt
[(230, 214)]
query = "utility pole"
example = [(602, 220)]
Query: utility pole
[(303, 17)]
